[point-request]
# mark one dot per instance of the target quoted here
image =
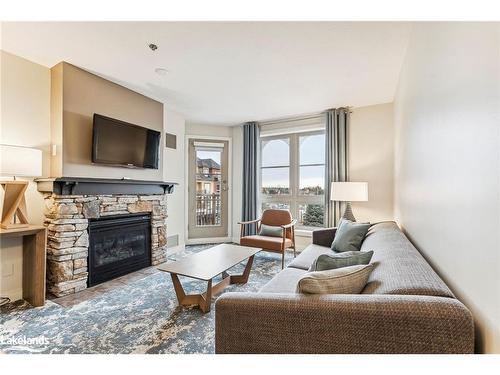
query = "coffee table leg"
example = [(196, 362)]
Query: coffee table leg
[(203, 301), (243, 278), (179, 290), (206, 298)]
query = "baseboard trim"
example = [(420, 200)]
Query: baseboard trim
[(13, 294), (201, 241)]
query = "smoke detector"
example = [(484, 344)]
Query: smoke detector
[(161, 71)]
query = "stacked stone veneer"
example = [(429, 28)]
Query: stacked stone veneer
[(66, 218)]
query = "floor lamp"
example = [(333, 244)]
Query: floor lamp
[(17, 161), (349, 192)]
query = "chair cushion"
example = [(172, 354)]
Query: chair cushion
[(271, 231), (338, 260), (308, 255), (349, 236), (265, 242), (346, 280), (284, 282)]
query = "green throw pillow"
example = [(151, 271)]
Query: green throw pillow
[(339, 260), (349, 236), (271, 231)]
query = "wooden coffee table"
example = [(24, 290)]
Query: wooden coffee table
[(205, 265)]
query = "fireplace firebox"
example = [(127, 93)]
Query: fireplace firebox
[(118, 245)]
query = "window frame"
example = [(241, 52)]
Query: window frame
[(293, 199)]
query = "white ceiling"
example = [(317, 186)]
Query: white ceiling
[(229, 72)]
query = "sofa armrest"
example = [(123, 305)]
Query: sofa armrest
[(323, 237), (295, 323)]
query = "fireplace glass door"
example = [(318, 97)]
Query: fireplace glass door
[(118, 245)]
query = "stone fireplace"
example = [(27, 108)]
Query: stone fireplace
[(69, 210)]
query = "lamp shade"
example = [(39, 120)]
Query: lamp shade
[(20, 161), (349, 191)]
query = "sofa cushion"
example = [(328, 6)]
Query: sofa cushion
[(346, 280), (265, 242), (284, 282), (308, 255), (339, 260), (271, 231), (399, 267), (349, 236)]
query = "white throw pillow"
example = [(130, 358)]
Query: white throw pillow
[(346, 280)]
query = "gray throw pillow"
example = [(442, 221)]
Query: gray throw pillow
[(349, 236), (347, 280), (271, 231), (339, 260)]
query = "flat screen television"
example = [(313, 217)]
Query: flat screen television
[(121, 143)]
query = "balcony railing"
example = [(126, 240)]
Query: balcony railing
[(208, 209)]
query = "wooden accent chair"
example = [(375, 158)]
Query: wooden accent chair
[(278, 218)]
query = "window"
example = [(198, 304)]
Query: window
[(207, 189), (275, 175), (293, 176)]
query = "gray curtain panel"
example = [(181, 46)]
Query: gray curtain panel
[(336, 166), (251, 135)]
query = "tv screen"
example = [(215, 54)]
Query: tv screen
[(120, 143)]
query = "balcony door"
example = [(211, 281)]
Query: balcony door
[(208, 188)]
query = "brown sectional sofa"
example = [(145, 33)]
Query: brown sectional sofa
[(404, 308)]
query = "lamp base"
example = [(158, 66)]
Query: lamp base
[(348, 215), (14, 203)]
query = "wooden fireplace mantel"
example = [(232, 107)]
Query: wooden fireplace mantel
[(97, 186)]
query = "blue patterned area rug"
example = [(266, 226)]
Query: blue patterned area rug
[(141, 317)]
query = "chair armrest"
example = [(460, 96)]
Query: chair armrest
[(248, 222), (289, 225), (361, 323), (324, 237)]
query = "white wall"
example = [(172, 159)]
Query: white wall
[(371, 159), (25, 121), (209, 130), (173, 171), (447, 170)]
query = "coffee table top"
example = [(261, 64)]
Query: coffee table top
[(211, 262)]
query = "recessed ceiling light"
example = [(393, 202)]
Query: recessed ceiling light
[(161, 71)]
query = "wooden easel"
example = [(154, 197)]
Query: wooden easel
[(14, 203)]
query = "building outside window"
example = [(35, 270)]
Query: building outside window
[(293, 176), (208, 188)]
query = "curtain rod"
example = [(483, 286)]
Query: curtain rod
[(292, 118), (309, 116)]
